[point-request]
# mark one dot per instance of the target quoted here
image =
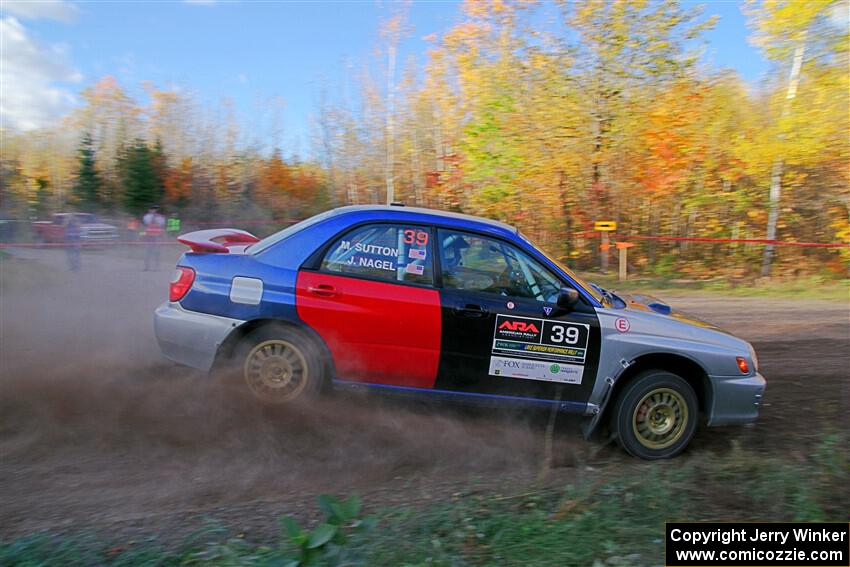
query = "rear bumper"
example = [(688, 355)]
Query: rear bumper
[(735, 399), (189, 337)]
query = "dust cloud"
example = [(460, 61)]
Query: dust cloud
[(93, 422)]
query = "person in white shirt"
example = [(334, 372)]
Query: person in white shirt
[(154, 227)]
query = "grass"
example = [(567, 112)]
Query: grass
[(599, 518), (802, 287)]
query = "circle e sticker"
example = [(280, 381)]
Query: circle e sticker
[(622, 325)]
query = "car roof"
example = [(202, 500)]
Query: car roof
[(404, 213)]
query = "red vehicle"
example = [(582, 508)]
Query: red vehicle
[(91, 230)]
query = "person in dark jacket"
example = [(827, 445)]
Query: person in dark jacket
[(72, 243)]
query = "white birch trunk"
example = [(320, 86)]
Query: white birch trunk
[(388, 170), (776, 172)]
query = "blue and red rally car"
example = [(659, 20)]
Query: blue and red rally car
[(441, 304)]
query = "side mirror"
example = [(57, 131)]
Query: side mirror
[(568, 298)]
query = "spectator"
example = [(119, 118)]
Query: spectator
[(154, 228), (133, 229), (72, 242), (173, 226)]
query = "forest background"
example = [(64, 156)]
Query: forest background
[(611, 116)]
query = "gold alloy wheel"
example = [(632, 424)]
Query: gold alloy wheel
[(276, 370), (660, 418)]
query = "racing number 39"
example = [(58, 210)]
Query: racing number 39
[(418, 237), (564, 335)]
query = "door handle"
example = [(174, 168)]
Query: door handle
[(323, 290), (470, 310)]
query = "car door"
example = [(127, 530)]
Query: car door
[(372, 300), (503, 332)]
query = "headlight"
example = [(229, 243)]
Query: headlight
[(754, 358)]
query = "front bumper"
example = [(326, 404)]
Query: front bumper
[(99, 237), (735, 399), (189, 337)]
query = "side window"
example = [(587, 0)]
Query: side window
[(393, 253), (477, 263)]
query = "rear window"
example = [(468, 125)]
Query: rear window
[(273, 239)]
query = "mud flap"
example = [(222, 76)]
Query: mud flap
[(588, 426)]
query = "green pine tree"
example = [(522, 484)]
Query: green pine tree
[(86, 190), (141, 185)]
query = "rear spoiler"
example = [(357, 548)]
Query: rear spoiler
[(218, 240)]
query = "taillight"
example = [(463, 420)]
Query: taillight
[(742, 365), (180, 283)]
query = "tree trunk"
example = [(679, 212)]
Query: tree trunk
[(567, 210), (390, 123), (416, 167), (776, 172)]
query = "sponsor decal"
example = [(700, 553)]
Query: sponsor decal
[(510, 305), (417, 269), (622, 324), (518, 328), (555, 341), (416, 254), (536, 370), (514, 348), (547, 310)]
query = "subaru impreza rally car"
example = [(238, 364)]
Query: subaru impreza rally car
[(432, 303)]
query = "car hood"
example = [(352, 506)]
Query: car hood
[(652, 305)]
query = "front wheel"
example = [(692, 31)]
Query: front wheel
[(656, 415), (279, 365)]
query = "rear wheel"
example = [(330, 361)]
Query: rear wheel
[(656, 415), (279, 365)]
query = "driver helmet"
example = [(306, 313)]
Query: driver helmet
[(453, 246)]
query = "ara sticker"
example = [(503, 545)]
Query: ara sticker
[(554, 341), (622, 325), (547, 310), (417, 269), (416, 254), (510, 305)]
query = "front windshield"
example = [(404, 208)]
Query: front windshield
[(273, 239), (579, 281)]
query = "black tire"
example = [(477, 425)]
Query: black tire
[(278, 365), (656, 415)]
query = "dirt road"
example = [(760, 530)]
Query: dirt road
[(97, 431)]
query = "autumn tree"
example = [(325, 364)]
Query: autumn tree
[(801, 37)]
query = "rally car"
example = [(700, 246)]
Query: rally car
[(439, 304)]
